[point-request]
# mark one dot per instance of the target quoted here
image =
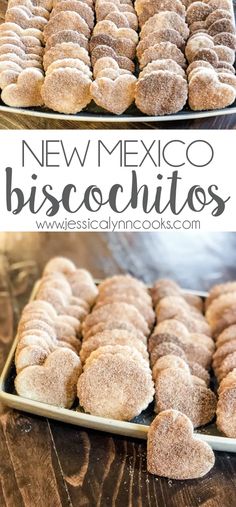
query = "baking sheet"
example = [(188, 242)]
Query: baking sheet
[(137, 428), (95, 114)]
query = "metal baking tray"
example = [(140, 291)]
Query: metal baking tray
[(95, 114), (137, 428)]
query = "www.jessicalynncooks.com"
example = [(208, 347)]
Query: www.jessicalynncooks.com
[(118, 225)]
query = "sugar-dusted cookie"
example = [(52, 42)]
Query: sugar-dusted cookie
[(207, 92), (115, 324), (30, 355), (124, 350), (54, 382), (170, 98), (67, 36), (169, 361), (77, 6), (176, 390), (62, 21), (106, 51), (70, 62), (226, 411), (198, 11), (66, 90), (19, 94), (109, 28), (163, 50), (24, 18), (138, 302), (122, 46), (147, 9), (65, 50), (116, 387), (117, 310), (169, 20), (164, 64), (171, 431), (162, 35), (109, 337)]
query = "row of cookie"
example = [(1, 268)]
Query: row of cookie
[(181, 355), (162, 86), (47, 355), (210, 52), (56, 312), (212, 17), (21, 53), (66, 60), (116, 381), (181, 329), (113, 49), (220, 312)]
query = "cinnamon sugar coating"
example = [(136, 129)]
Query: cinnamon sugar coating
[(173, 452), (116, 387), (171, 97), (175, 390), (54, 382)]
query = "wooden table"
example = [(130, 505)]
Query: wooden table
[(19, 121), (49, 464)]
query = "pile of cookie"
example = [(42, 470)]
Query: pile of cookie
[(21, 52), (116, 381), (113, 50), (162, 85), (66, 61), (221, 315), (49, 334), (181, 352), (210, 52)]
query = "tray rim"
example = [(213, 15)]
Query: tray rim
[(122, 428), (108, 118)]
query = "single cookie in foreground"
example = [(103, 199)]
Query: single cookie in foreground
[(172, 450)]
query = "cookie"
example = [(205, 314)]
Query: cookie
[(117, 310), (175, 390), (172, 430), (169, 20), (116, 387), (62, 21), (54, 382), (66, 90), (162, 50), (109, 337), (163, 35), (67, 36), (171, 96), (65, 50), (20, 95)]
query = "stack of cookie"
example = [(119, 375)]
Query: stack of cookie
[(162, 86), (113, 49), (66, 61), (210, 52), (221, 315), (49, 332), (181, 351), (117, 381), (21, 53)]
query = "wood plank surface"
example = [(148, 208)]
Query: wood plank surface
[(19, 121), (50, 464)]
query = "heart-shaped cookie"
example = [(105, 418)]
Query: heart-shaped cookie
[(172, 450), (24, 18), (64, 21), (54, 382), (207, 92), (176, 390), (20, 95)]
